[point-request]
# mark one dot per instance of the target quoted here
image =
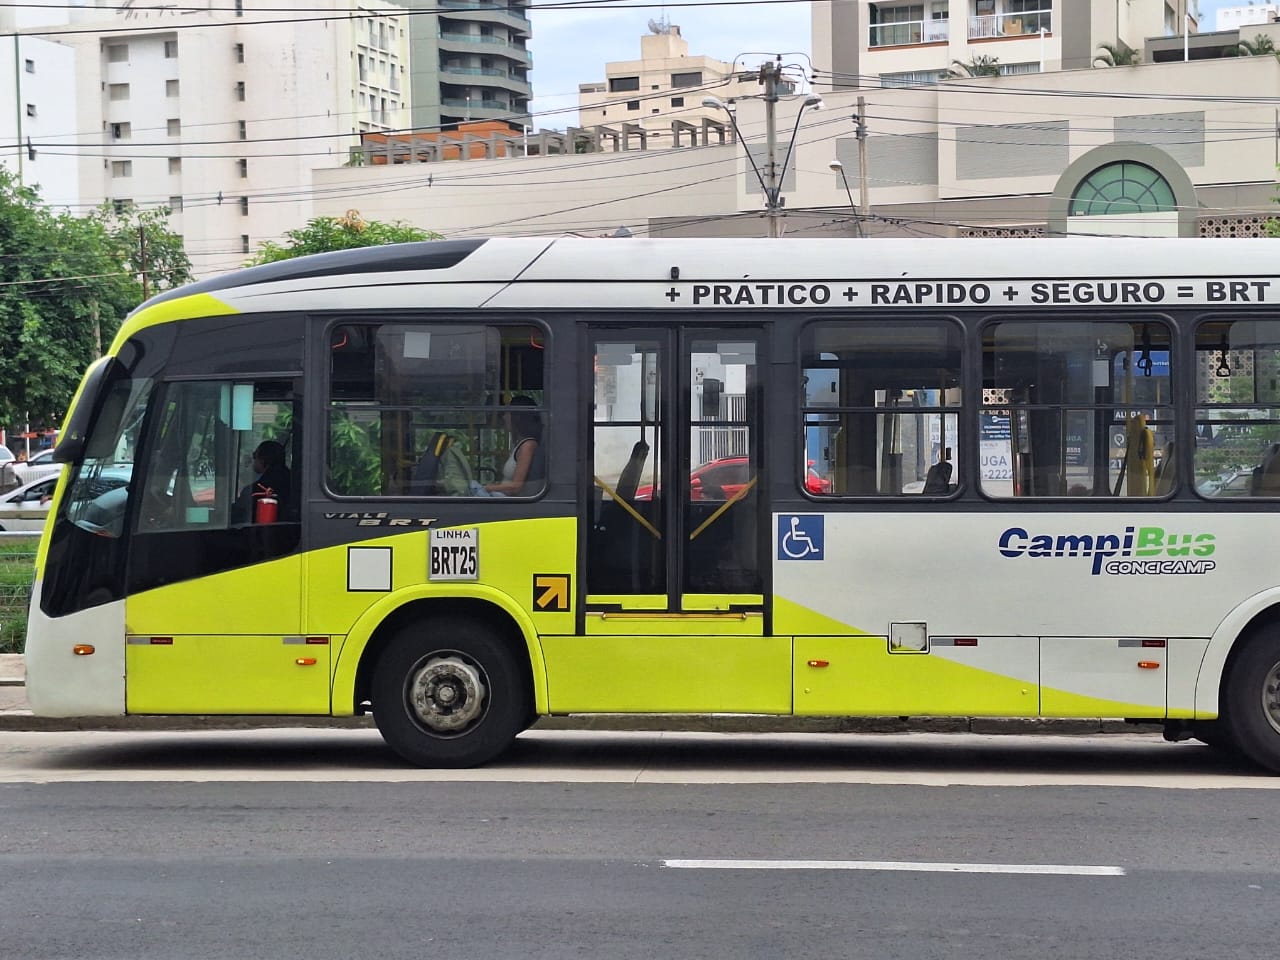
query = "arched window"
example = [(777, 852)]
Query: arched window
[(1122, 188)]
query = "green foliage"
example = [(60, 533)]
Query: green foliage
[(17, 570), (324, 234), (66, 283), (1259, 46), (1118, 54), (355, 460), (980, 65), (142, 240)]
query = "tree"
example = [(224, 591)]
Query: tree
[(144, 243), (1118, 54), (981, 65), (323, 234), (1259, 46), (63, 294)]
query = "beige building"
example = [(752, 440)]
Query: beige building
[(665, 86)]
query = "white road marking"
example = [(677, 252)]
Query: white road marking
[(1044, 869)]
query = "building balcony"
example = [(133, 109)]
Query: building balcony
[(1025, 24), (909, 32), (485, 77), (486, 46), (479, 11)]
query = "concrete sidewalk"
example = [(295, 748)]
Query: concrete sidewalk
[(15, 715)]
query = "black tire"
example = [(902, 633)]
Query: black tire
[(1253, 700), (448, 692), (1215, 734)]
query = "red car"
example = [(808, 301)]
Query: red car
[(725, 478)]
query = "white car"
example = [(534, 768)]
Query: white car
[(31, 498), (21, 472)]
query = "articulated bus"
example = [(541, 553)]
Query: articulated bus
[(802, 478)]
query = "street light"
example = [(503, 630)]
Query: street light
[(771, 180), (838, 167)]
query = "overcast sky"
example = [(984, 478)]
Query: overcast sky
[(572, 46)]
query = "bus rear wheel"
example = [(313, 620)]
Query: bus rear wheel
[(447, 692), (1253, 701)]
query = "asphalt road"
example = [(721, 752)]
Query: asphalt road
[(319, 844)]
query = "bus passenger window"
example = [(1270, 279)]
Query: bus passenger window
[(1237, 450), (422, 410), (881, 409), (1076, 409)]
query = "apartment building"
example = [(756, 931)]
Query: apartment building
[(1233, 18), (221, 113), (666, 84), (470, 61), (905, 42), (37, 101)]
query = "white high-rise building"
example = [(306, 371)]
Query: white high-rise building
[(37, 104), (222, 114), (1233, 18)]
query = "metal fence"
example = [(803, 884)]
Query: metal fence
[(17, 569)]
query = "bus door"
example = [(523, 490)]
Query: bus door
[(214, 608), (673, 559)]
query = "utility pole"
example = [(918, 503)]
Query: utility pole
[(769, 73), (860, 131), (142, 259)]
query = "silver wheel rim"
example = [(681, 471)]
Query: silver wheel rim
[(447, 695), (1271, 697)]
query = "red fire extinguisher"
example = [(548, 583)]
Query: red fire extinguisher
[(265, 508)]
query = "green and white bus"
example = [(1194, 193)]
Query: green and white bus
[(464, 484)]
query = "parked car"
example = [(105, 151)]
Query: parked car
[(5, 454), (31, 498), (1238, 483), (724, 479), (16, 473), (35, 497)]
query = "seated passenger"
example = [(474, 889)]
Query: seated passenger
[(524, 471)]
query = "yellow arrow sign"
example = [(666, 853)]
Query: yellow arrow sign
[(551, 591)]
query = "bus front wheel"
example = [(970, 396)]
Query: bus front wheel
[(447, 692), (1253, 701)]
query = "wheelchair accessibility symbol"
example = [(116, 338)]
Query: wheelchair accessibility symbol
[(800, 537)]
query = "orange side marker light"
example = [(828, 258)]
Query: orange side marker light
[(83, 649), (1149, 664)]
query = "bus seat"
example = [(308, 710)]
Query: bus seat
[(1166, 472), (441, 471), (629, 479), (1266, 476), (937, 481)]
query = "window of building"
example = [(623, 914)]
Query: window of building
[(31, 109), (121, 131), (244, 243), (175, 165), (239, 52), (1122, 188), (239, 8), (243, 129), (623, 84), (175, 204), (429, 410), (655, 110), (117, 91), (361, 70), (171, 49), (117, 53), (692, 78), (171, 88), (121, 168), (173, 126), (240, 90), (29, 66), (1076, 408), (244, 206), (881, 408), (242, 166), (677, 101), (633, 104), (1237, 449)]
